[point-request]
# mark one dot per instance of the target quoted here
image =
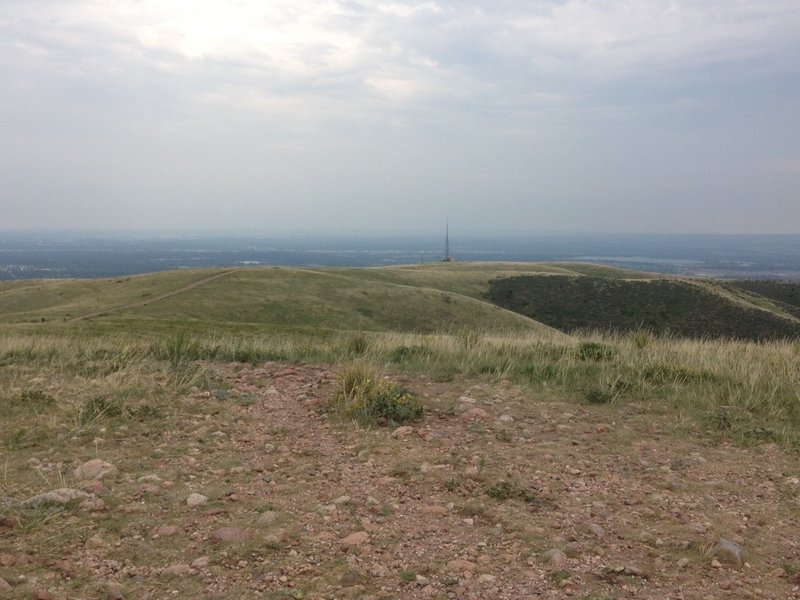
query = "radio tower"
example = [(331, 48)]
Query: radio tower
[(447, 257)]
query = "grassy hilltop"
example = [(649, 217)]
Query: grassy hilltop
[(534, 395)]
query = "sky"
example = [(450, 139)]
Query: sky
[(649, 116)]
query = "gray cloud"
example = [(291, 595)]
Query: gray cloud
[(575, 115)]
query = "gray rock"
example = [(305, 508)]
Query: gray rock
[(58, 496), (230, 534), (196, 499), (267, 518)]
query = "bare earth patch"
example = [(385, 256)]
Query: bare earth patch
[(255, 492)]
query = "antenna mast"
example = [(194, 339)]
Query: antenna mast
[(447, 257)]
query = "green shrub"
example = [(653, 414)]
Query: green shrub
[(505, 490), (361, 394), (594, 351)]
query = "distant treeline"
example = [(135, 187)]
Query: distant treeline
[(661, 306)]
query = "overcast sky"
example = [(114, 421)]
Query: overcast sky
[(526, 115)]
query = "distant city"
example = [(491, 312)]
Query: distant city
[(71, 255)]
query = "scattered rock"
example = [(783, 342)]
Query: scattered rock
[(506, 419), (683, 563), (58, 496), (487, 578), (356, 539), (230, 534), (42, 594), (94, 469), (114, 592), (196, 499), (4, 585), (555, 558), (795, 579), (7, 560), (342, 500), (728, 552), (94, 486), (200, 563)]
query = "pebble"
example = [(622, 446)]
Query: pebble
[(200, 563), (506, 418), (4, 585), (166, 531), (94, 469), (683, 563), (487, 578), (41, 594), (597, 530)]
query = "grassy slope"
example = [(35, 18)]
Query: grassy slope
[(275, 297)]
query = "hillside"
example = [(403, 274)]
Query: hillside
[(389, 433), (684, 308), (278, 298)]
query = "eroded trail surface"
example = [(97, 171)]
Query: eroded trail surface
[(253, 492)]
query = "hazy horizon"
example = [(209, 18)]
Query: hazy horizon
[(359, 115)]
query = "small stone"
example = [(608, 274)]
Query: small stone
[(42, 594), (94, 486), (152, 478), (230, 534), (4, 585), (728, 552), (94, 469), (7, 560), (96, 542), (356, 539), (460, 565), (683, 563), (486, 578), (474, 414), (342, 500), (196, 499), (58, 496), (555, 558), (506, 418), (715, 563), (795, 579), (200, 563), (403, 431)]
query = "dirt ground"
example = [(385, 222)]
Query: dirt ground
[(252, 491)]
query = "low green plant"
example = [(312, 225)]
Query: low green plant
[(366, 397), (595, 351), (508, 490)]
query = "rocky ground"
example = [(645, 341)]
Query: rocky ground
[(252, 491)]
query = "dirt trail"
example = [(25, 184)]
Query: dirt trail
[(495, 494), (153, 299)]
